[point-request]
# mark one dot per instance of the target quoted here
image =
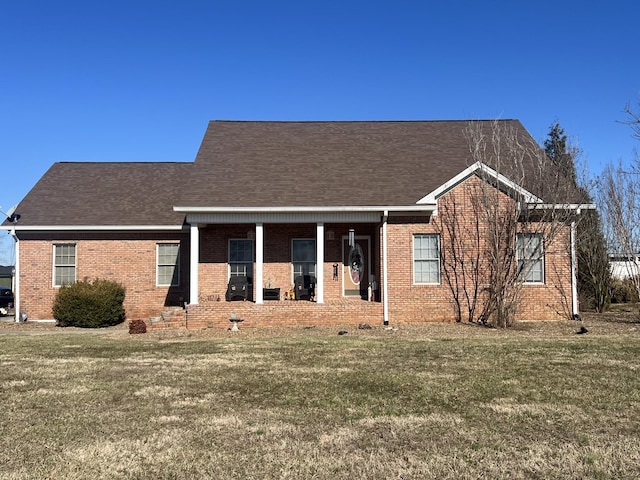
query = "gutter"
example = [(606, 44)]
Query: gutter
[(562, 206), (92, 228)]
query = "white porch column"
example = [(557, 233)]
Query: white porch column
[(319, 293), (385, 284), (259, 262), (194, 262)]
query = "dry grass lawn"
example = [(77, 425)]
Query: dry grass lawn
[(439, 401)]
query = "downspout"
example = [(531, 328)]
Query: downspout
[(385, 284), (574, 279), (16, 276)]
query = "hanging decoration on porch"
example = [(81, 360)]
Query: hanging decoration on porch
[(356, 264)]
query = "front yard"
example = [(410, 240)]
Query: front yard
[(439, 401)]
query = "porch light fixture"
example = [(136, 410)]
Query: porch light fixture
[(330, 235), (352, 237)]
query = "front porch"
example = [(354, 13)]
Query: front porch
[(274, 256), (343, 249)]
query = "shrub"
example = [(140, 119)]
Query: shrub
[(137, 326), (623, 291), (89, 304)]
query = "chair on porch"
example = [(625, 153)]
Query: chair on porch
[(238, 288), (304, 287)]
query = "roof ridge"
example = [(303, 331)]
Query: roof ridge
[(368, 121)]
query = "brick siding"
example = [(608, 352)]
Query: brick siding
[(131, 260)]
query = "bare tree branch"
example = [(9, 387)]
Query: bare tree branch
[(620, 198), (633, 120), (480, 221)]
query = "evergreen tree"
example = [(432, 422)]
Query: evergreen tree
[(594, 276), (557, 150)]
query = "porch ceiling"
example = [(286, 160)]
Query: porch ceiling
[(357, 214)]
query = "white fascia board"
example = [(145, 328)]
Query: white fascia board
[(96, 228), (562, 206), (471, 170), (425, 206)]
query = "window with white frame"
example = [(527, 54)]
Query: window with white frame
[(426, 258), (64, 264), (241, 258), (530, 255), (303, 257), (168, 264)]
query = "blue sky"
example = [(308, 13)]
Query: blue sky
[(138, 80)]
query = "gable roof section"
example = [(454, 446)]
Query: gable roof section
[(328, 164), (100, 194), (505, 184)]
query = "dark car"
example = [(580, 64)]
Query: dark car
[(6, 298)]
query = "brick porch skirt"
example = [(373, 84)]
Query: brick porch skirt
[(274, 313)]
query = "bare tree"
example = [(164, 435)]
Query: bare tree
[(620, 199), (515, 206), (460, 250), (594, 274), (618, 192), (633, 120)]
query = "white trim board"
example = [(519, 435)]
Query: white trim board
[(472, 170)]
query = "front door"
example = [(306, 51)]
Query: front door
[(356, 267)]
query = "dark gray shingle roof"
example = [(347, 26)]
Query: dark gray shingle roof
[(96, 193), (263, 164), (326, 163)]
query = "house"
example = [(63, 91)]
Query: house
[(624, 266), (348, 206)]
